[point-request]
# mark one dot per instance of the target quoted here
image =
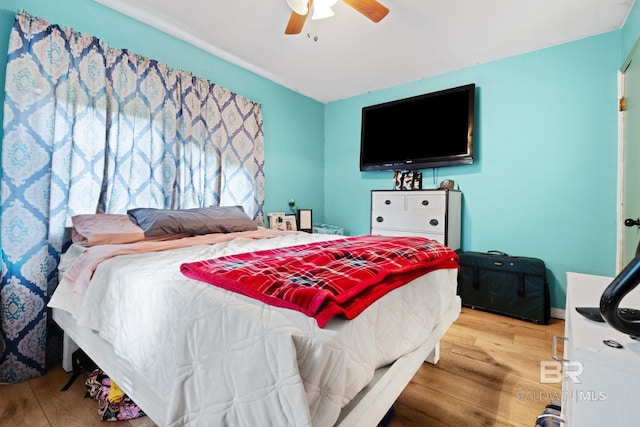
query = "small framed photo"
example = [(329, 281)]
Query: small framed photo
[(407, 180), (276, 220), (397, 180), (417, 181), (290, 223), (304, 220)]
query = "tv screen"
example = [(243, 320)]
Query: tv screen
[(424, 131)]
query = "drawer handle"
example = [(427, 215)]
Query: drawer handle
[(425, 202), (554, 348), (387, 202), (433, 222), (379, 219)]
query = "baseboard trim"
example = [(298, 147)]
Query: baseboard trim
[(558, 313)]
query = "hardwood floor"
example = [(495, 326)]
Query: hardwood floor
[(488, 375), (39, 403)]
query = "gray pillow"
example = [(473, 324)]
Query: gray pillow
[(215, 219)]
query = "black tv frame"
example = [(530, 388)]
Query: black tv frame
[(419, 162)]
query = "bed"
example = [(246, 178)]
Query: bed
[(189, 353)]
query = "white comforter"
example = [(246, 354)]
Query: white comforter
[(218, 358)]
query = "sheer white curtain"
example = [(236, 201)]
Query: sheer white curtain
[(90, 128)]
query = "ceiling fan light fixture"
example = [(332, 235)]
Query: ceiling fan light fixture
[(371, 9), (298, 6), (322, 9), (322, 13)]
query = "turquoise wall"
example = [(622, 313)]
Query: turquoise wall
[(543, 183), (293, 124)]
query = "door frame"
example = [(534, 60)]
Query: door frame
[(620, 227)]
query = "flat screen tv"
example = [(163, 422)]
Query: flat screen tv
[(424, 131)]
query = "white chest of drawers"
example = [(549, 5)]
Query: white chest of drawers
[(435, 214)]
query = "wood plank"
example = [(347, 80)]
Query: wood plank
[(492, 380), (19, 406), (40, 402), (65, 408), (421, 407), (468, 403)]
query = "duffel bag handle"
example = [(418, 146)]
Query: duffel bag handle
[(498, 253)]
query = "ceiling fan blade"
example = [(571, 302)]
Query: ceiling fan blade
[(296, 21), (369, 8)]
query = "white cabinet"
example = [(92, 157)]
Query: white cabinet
[(607, 391), (435, 214)]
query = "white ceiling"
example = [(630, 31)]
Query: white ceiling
[(352, 56)]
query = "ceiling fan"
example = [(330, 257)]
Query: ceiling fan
[(322, 9)]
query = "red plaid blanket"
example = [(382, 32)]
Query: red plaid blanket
[(325, 279)]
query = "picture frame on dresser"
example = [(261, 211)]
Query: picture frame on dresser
[(305, 222), (407, 180), (290, 223), (276, 220)]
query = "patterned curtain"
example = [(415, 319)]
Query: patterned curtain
[(90, 128)]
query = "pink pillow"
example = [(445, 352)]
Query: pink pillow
[(102, 229)]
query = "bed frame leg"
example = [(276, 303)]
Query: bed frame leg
[(434, 356), (68, 347)]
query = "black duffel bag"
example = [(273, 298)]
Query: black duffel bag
[(510, 285)]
